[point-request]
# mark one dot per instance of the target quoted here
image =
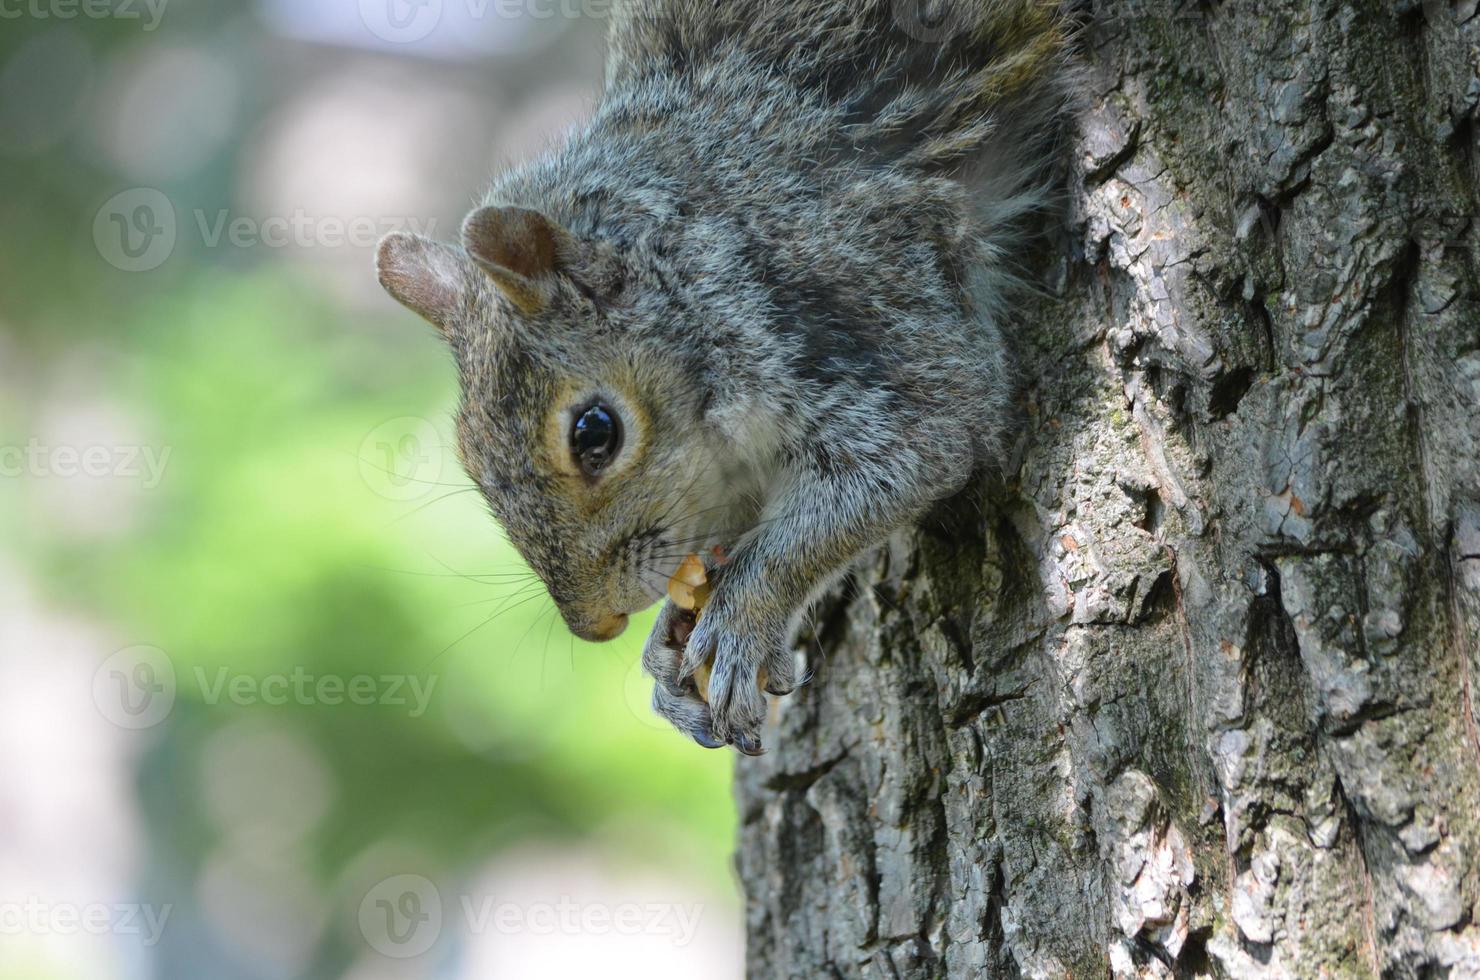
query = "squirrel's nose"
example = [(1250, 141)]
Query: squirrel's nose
[(605, 629)]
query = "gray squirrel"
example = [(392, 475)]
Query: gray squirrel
[(752, 310)]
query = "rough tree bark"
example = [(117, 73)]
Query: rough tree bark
[(1190, 693)]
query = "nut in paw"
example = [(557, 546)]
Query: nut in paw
[(690, 591)]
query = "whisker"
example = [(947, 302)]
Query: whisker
[(515, 576), (658, 576), (668, 511), (495, 615), (509, 607), (473, 576), (430, 503), (526, 591), (693, 516), (544, 661), (545, 655), (878, 593), (389, 472)]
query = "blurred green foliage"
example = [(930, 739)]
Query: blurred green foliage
[(266, 549)]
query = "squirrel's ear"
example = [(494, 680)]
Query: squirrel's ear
[(424, 276), (521, 250)]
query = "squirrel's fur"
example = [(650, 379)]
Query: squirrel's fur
[(782, 251)]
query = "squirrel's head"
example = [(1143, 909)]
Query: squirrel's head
[(581, 427)]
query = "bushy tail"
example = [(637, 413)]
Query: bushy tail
[(922, 82)]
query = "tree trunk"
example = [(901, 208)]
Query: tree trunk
[(1189, 693)]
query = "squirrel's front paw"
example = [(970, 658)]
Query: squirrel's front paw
[(742, 659), (674, 698), (710, 677)]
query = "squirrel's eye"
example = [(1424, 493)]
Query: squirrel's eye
[(596, 438)]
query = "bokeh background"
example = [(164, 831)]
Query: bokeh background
[(276, 698)]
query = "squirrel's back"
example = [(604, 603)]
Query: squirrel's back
[(925, 81)]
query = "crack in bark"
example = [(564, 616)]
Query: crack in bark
[(1368, 908)]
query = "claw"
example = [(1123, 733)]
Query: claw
[(750, 745), (707, 740), (710, 682), (778, 683)]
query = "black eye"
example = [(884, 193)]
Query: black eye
[(596, 438)]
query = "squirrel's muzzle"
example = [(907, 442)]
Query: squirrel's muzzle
[(607, 628)]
